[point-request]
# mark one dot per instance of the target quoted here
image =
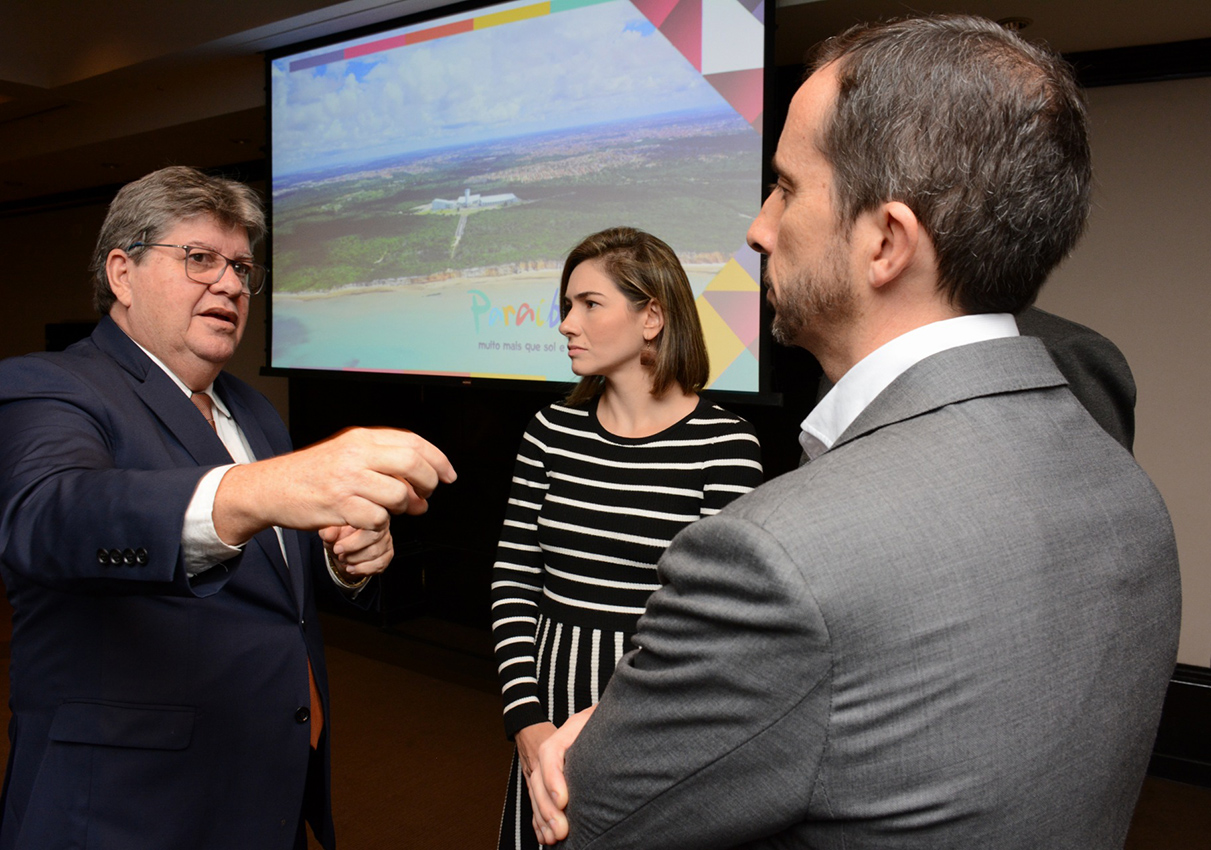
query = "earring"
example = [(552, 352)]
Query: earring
[(647, 357)]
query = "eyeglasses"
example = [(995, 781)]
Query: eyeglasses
[(205, 266)]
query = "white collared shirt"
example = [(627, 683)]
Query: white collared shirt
[(872, 374), (201, 546)]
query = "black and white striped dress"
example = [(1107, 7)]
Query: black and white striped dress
[(589, 515)]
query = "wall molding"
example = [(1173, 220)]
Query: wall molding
[(1145, 63)]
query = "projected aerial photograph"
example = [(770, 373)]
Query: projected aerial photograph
[(425, 193), (687, 179)]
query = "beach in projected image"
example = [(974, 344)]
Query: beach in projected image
[(428, 182)]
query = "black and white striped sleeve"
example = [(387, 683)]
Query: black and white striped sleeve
[(517, 582), (734, 466)]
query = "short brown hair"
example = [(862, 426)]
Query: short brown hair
[(980, 133), (645, 269), (143, 211)]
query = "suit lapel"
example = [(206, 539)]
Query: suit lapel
[(163, 397), (258, 441), (180, 418), (291, 538), (1011, 364)]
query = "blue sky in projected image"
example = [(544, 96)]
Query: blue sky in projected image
[(479, 86)]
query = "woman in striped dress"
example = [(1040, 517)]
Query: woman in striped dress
[(603, 482)]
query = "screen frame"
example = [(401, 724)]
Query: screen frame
[(763, 395)]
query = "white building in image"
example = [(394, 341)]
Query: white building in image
[(468, 201)]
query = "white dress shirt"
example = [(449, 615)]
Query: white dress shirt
[(872, 374), (201, 546)]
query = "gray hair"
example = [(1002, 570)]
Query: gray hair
[(980, 133), (143, 211)]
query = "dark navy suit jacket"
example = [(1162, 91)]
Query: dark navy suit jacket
[(149, 710)]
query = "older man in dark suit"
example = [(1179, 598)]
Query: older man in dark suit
[(168, 680), (953, 627)]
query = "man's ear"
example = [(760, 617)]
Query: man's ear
[(118, 268), (653, 320), (895, 242)]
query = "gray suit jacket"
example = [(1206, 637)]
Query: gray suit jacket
[(952, 630)]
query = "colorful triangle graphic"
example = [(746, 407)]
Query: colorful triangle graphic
[(742, 89), (734, 277), (750, 261), (683, 28), (757, 7), (736, 301), (732, 39), (742, 311), (655, 10), (743, 370), (723, 343)]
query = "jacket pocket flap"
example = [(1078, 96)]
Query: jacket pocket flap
[(149, 727)]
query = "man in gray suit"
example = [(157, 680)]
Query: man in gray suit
[(953, 627)]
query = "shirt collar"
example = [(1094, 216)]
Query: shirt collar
[(219, 406), (870, 376)]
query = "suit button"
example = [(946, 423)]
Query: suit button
[(128, 557), (103, 557), (115, 557), (141, 557), (302, 714)]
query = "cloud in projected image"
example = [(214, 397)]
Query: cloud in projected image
[(482, 85)]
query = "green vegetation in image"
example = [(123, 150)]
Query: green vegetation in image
[(695, 193)]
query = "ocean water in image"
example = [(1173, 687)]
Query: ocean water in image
[(491, 327), (463, 328)]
